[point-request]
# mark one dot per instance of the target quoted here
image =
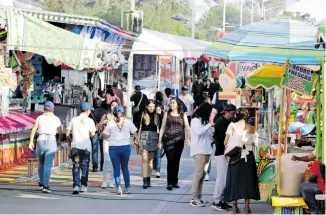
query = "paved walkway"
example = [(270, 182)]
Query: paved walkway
[(25, 198)]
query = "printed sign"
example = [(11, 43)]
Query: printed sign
[(165, 59), (299, 79)]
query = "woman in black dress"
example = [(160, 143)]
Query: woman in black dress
[(175, 131), (242, 179)]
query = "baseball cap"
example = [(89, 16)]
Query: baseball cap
[(49, 106), (137, 87), (86, 106), (118, 109), (184, 89)]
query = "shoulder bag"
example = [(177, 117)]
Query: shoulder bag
[(136, 109), (234, 145)]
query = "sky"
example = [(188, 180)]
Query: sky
[(316, 8)]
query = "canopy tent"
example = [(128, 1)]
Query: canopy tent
[(274, 41), (157, 43)]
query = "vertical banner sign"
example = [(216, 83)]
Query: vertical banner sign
[(299, 79)]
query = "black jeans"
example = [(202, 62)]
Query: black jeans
[(80, 159), (308, 192), (173, 157)]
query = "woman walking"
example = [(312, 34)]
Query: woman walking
[(118, 134), (110, 96), (47, 126), (242, 180), (109, 117), (148, 132), (159, 101), (174, 133), (200, 150)]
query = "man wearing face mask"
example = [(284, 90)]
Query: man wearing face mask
[(221, 125)]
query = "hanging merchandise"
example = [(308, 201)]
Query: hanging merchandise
[(53, 42)]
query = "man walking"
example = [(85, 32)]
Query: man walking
[(82, 128), (221, 126), (188, 100), (140, 100)]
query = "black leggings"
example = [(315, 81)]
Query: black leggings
[(173, 157)]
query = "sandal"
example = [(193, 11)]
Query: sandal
[(235, 209), (247, 211)]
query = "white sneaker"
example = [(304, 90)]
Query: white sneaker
[(111, 184), (158, 175), (104, 184), (83, 189), (206, 177), (119, 191)]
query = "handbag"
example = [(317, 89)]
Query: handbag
[(136, 109), (234, 145)]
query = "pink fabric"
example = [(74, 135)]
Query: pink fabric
[(16, 121)]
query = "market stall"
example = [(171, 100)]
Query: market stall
[(275, 42), (48, 62)]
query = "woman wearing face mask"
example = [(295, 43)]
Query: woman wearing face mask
[(148, 133), (100, 126), (118, 134), (174, 132)]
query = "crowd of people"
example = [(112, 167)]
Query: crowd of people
[(160, 126)]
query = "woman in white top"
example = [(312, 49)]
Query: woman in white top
[(200, 149), (100, 126), (117, 132), (242, 180), (47, 126)]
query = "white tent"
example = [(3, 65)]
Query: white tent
[(157, 43)]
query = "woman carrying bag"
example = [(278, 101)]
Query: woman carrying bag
[(148, 133), (242, 180)]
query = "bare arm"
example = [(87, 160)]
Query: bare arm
[(92, 133), (59, 129), (226, 140), (306, 158), (32, 135), (137, 139), (68, 131), (162, 128), (98, 126), (187, 127)]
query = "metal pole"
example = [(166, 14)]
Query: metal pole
[(252, 11), (193, 19), (130, 68), (224, 14), (318, 134), (270, 114), (241, 1)]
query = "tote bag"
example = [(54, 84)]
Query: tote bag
[(234, 145)]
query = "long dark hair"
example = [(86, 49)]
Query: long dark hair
[(179, 106), (203, 112), (146, 114), (109, 90), (110, 105)]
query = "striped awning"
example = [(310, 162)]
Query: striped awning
[(274, 41)]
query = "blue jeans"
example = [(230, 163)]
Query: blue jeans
[(80, 159), (120, 156), (157, 160), (45, 150), (96, 142)]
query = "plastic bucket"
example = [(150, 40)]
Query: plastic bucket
[(290, 183)]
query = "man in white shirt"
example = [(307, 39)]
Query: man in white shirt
[(82, 128), (188, 100)]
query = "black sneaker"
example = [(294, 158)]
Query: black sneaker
[(176, 186), (227, 205), (40, 186), (46, 189), (219, 207), (169, 187)]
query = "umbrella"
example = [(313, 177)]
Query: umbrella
[(267, 76), (274, 41)]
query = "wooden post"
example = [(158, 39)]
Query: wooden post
[(281, 125)]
